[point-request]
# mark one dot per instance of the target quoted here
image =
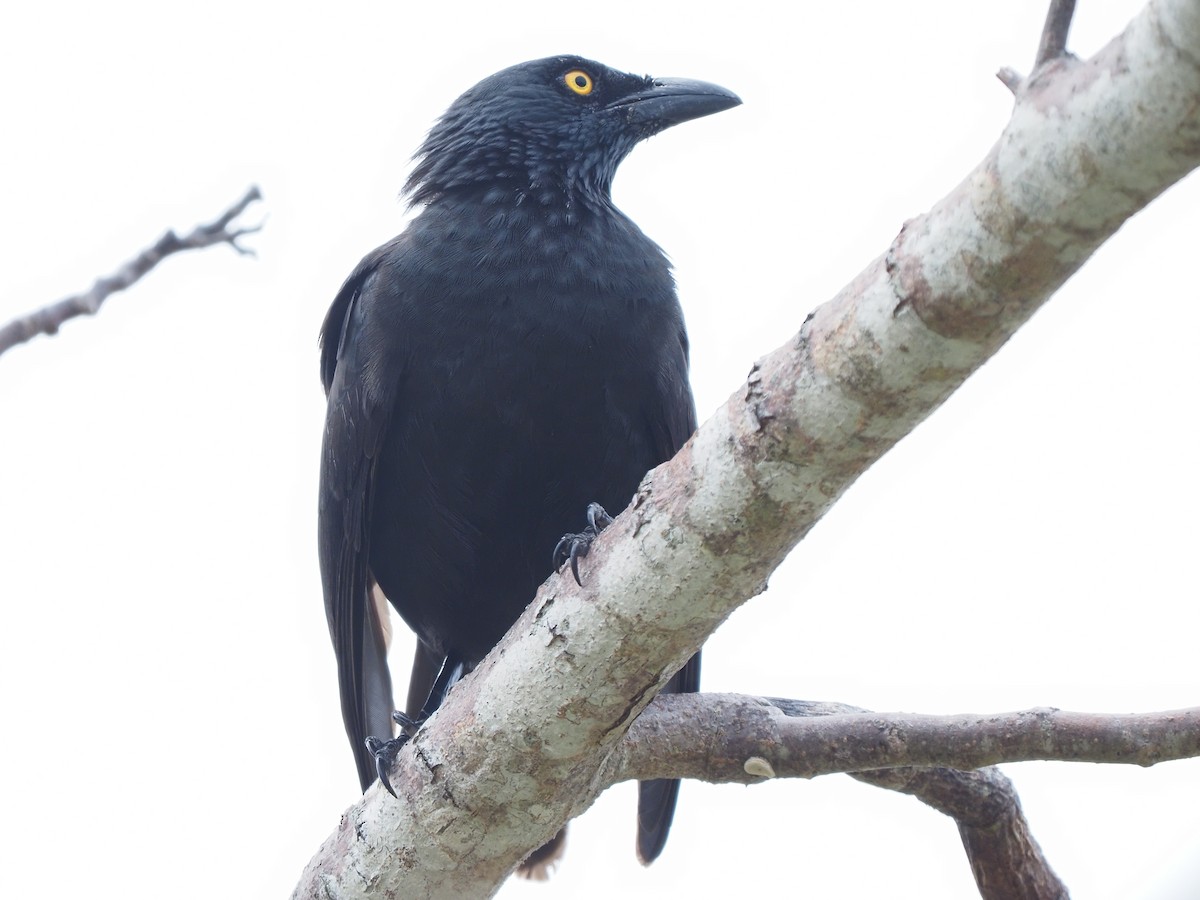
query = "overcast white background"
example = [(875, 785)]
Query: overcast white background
[(167, 689)]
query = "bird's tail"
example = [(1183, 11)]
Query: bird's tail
[(541, 862), (656, 799)]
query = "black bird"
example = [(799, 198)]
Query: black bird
[(516, 354)]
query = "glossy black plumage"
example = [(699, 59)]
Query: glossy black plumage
[(517, 353)]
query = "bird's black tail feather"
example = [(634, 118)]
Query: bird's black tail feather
[(538, 865), (656, 799)]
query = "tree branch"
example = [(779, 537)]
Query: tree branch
[(1052, 46), (1004, 857), (48, 319), (709, 737), (520, 745), (1010, 78), (731, 738), (1054, 33)]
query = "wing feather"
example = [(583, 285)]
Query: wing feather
[(356, 424)]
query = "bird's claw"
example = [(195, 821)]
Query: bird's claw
[(385, 757), (408, 725), (574, 547), (385, 752)]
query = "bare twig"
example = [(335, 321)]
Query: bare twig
[(1054, 32), (48, 319)]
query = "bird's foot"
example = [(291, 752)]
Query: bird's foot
[(574, 547), (408, 725), (385, 752), (385, 756)]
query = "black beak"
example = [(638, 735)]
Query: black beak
[(669, 101)]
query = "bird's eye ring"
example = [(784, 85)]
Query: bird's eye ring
[(579, 81)]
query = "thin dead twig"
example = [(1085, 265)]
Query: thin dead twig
[(48, 319)]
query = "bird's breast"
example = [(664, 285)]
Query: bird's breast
[(540, 353)]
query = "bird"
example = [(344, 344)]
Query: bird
[(514, 360)]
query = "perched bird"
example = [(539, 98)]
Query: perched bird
[(516, 355)]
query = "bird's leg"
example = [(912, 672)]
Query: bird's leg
[(453, 669), (574, 547)]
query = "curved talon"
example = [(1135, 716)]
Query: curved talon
[(385, 757), (561, 551), (571, 548), (574, 547), (374, 745), (382, 769), (598, 518), (579, 549)]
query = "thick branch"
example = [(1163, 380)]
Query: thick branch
[(518, 745), (48, 319)]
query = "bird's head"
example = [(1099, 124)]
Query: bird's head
[(555, 127)]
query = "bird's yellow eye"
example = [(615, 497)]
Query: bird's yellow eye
[(579, 81)]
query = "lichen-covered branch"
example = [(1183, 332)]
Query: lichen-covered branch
[(520, 745), (48, 319)]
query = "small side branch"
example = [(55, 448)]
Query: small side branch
[(1054, 32), (48, 319), (1010, 78), (1052, 45), (1005, 859)]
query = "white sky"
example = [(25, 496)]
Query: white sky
[(171, 726)]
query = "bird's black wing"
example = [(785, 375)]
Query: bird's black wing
[(360, 381), (657, 798)]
